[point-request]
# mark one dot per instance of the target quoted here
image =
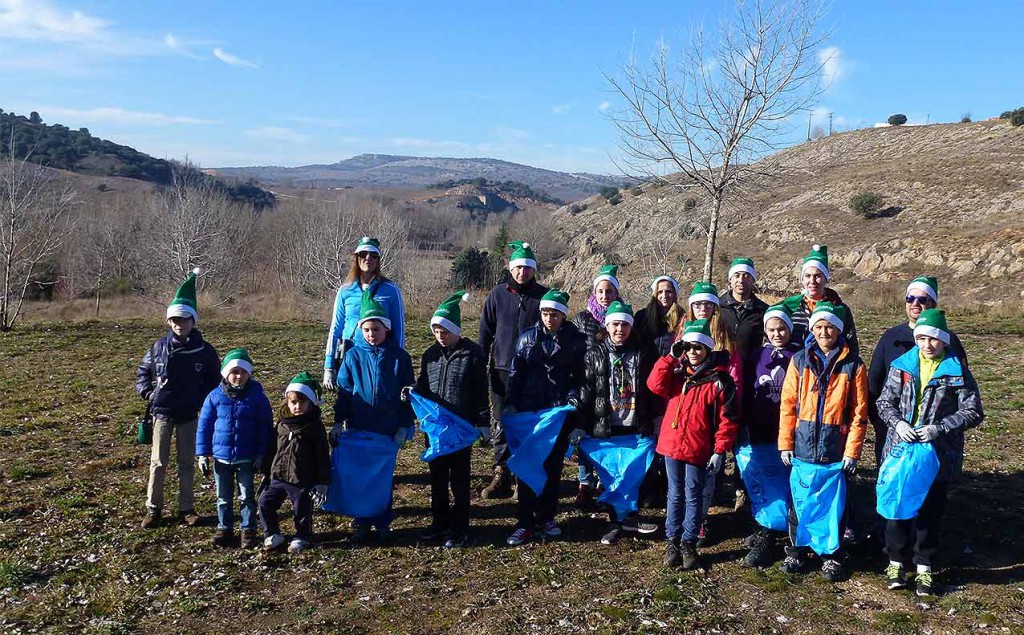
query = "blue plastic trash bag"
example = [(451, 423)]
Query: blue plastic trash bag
[(767, 481), (531, 437), (362, 472), (904, 479), (819, 496), (446, 431), (621, 463)]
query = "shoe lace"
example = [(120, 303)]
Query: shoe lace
[(925, 578), (893, 570), (520, 533), (831, 566)]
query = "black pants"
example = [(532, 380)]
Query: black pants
[(451, 471), (302, 505), (499, 382), (919, 535), (537, 510)]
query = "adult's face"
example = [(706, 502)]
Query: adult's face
[(917, 302), (814, 283), (618, 332), (665, 293), (522, 274), (552, 319), (369, 262), (605, 293), (703, 310), (741, 284)]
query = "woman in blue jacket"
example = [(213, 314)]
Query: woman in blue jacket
[(365, 273)]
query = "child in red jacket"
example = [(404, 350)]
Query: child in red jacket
[(698, 429)]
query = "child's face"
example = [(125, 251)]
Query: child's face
[(374, 332), (181, 326), (605, 293), (826, 334), (931, 347), (666, 294), (552, 319), (814, 282), (297, 403), (777, 332), (444, 337), (237, 376), (618, 332), (695, 353), (703, 310)]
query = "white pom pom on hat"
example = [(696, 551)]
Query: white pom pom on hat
[(526, 245), (816, 247), (197, 271)]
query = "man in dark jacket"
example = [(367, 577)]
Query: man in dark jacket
[(742, 310), (510, 308), (176, 374)]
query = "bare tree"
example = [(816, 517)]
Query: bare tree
[(710, 109), (35, 221), (106, 250)]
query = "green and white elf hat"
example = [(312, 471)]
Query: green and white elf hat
[(184, 302), (555, 299), (367, 244), (703, 292), (699, 331), (834, 315), (928, 284), (370, 309), (609, 273), (817, 259), (449, 314), (932, 322), (675, 284), (743, 265), (307, 385), (522, 255), (618, 311), (780, 311), (236, 358)]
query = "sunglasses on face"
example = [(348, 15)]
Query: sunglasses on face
[(917, 299), (366, 255), (686, 347)]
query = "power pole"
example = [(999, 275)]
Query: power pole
[(830, 124)]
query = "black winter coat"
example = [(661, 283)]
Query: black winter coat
[(538, 380), (595, 396), (660, 339), (589, 326), (457, 380), (303, 455), (744, 321), (175, 377), (506, 314)]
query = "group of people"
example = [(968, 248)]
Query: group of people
[(721, 373)]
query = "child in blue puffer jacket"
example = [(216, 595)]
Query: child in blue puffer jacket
[(370, 383), (236, 426)]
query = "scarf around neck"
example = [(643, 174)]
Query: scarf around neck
[(596, 309)]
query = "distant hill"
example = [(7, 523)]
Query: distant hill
[(391, 171), (60, 147)]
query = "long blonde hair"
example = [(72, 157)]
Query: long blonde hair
[(724, 340)]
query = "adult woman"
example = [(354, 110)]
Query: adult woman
[(364, 272), (814, 276)]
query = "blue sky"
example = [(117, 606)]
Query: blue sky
[(243, 83)]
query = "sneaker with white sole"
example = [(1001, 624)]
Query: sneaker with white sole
[(520, 536), (635, 525), (297, 546), (832, 570), (613, 535), (551, 529), (274, 541), (895, 577), (793, 562), (924, 584)]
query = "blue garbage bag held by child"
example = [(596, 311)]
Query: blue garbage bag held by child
[(767, 481), (819, 497), (622, 462), (446, 431), (904, 479), (362, 470), (531, 436)]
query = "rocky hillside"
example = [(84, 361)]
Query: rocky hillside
[(385, 170), (954, 207)]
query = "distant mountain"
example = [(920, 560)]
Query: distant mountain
[(391, 171)]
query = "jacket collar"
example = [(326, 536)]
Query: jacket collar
[(910, 362)]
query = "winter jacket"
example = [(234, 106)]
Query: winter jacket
[(802, 307), (506, 314), (824, 410), (765, 376), (951, 402), (238, 428), (302, 455), (547, 370), (370, 383), (589, 326), (457, 379), (347, 305), (661, 338), (700, 420), (595, 396), (895, 342), (744, 321), (177, 376)]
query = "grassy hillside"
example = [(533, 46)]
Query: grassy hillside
[(73, 559)]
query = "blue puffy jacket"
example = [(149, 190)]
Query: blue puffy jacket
[(370, 383), (347, 306), (235, 428)]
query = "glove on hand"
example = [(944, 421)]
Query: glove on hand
[(330, 379), (715, 463), (906, 432), (787, 458), (928, 434), (849, 465), (404, 395), (677, 349), (575, 436), (205, 465)]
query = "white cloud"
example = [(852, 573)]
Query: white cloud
[(276, 133), (182, 47), (43, 20), (561, 109), (119, 116), (604, 106), (232, 60), (832, 65)]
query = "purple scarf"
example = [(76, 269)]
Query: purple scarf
[(596, 309)]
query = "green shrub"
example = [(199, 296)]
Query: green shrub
[(689, 203), (636, 191), (616, 199), (1017, 118), (897, 120), (608, 192), (470, 269), (867, 204)]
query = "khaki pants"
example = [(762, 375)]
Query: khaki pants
[(185, 435)]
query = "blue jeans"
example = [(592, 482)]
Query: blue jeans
[(685, 499), (225, 475)]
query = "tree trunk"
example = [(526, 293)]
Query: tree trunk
[(709, 251)]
